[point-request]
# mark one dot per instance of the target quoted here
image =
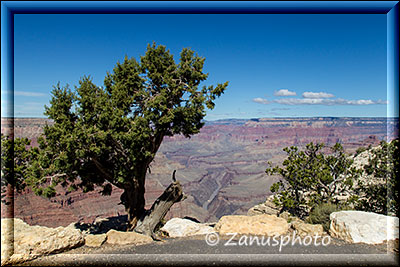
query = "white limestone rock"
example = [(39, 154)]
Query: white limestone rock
[(178, 227), (363, 227)]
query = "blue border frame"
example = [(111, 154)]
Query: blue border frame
[(200, 7), (390, 8)]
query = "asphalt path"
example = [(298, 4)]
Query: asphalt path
[(195, 251)]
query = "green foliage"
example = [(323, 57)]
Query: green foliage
[(110, 135), (14, 159), (380, 194), (311, 177), (320, 214), (360, 150)]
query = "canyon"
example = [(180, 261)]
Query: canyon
[(221, 169)]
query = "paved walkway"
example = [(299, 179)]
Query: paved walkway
[(195, 251)]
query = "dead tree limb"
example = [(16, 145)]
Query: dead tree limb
[(159, 209)]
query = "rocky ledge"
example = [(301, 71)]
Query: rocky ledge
[(21, 242)]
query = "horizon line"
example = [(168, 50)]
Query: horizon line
[(252, 118)]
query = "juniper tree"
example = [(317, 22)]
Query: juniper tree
[(311, 177), (379, 193), (109, 135), (14, 162)]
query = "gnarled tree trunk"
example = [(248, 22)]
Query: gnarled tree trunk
[(134, 202), (159, 209), (145, 221)]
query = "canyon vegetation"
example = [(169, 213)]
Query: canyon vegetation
[(316, 182)]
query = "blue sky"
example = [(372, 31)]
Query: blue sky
[(294, 65)]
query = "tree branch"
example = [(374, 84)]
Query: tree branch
[(323, 186), (122, 150), (51, 177), (337, 180), (109, 177), (180, 82)]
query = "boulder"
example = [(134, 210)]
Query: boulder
[(178, 227), (363, 227), (268, 207), (124, 238), (305, 229), (6, 240), (264, 224), (287, 216), (95, 240), (33, 241)]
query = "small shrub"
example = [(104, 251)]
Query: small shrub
[(380, 193), (320, 214)]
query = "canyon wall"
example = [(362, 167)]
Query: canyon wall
[(222, 168)]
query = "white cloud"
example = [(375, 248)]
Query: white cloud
[(284, 92), (31, 94), (367, 102), (327, 102), (29, 109), (299, 101), (315, 98), (275, 109), (23, 93), (317, 95), (381, 102), (261, 100)]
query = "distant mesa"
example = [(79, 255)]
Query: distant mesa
[(221, 169)]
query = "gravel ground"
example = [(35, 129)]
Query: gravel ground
[(194, 251)]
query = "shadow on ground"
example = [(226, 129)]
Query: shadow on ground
[(103, 225)]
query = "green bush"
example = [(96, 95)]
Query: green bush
[(311, 176), (320, 214), (380, 193)]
